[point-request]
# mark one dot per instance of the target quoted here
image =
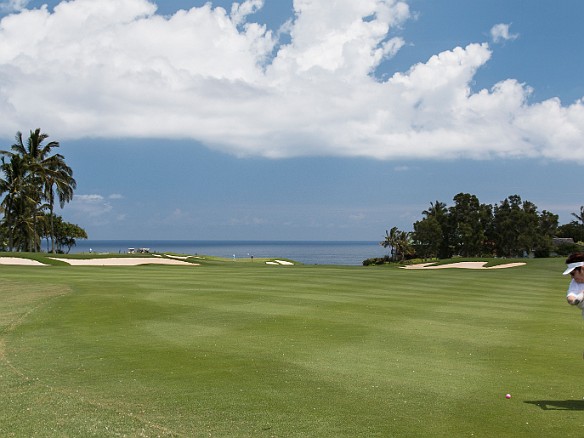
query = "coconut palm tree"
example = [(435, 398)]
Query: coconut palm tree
[(43, 174), (436, 210), (59, 179), (50, 171), (399, 242), (20, 204), (390, 240), (13, 185), (403, 244), (580, 216)]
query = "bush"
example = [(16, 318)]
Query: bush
[(377, 261), (568, 248)]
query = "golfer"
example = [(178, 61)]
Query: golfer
[(575, 295)]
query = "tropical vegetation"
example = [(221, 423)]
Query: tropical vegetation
[(469, 228), (32, 180)]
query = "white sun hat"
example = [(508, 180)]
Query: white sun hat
[(572, 266)]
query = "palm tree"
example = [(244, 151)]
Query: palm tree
[(59, 178), (390, 240), (403, 244), (20, 204), (439, 211), (399, 242), (580, 216), (49, 172), (14, 186), (42, 174), (436, 210)]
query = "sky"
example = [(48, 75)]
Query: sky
[(296, 119)]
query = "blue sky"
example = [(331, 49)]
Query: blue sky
[(296, 120)]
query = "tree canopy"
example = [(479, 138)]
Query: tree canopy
[(32, 178), (468, 228)]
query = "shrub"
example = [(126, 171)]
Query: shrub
[(377, 261), (568, 248)]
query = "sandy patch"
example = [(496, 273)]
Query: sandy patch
[(462, 265), (123, 261), (284, 262), (19, 261), (280, 263), (177, 257)]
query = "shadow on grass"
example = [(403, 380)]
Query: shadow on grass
[(559, 405)]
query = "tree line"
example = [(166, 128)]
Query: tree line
[(32, 179), (469, 228)]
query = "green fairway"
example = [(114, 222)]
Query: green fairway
[(249, 350)]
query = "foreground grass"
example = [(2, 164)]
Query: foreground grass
[(249, 350)]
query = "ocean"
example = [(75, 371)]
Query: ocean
[(307, 252)]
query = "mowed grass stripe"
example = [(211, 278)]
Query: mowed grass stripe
[(228, 350)]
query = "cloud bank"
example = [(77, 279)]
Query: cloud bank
[(116, 68)]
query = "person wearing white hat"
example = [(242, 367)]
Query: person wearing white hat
[(575, 294)]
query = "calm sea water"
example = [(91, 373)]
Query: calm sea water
[(310, 252)]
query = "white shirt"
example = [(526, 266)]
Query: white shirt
[(577, 291)]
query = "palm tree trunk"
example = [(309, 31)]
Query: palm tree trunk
[(52, 233)]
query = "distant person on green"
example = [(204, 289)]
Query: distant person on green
[(575, 294)]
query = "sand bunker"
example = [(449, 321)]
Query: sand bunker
[(170, 256), (280, 263), (462, 265), (124, 261), (19, 261)]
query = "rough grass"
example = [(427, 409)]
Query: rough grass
[(248, 350)]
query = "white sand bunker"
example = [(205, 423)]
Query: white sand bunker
[(19, 261), (170, 256), (280, 263), (124, 261), (462, 265)]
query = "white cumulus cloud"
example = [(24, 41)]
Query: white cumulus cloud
[(92, 206), (500, 32), (116, 68)]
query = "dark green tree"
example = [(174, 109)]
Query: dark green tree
[(427, 237), (34, 178), (58, 181), (572, 230), (439, 211), (520, 230), (390, 241), (469, 221), (506, 219), (548, 226), (20, 203), (399, 242), (65, 234), (528, 227)]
